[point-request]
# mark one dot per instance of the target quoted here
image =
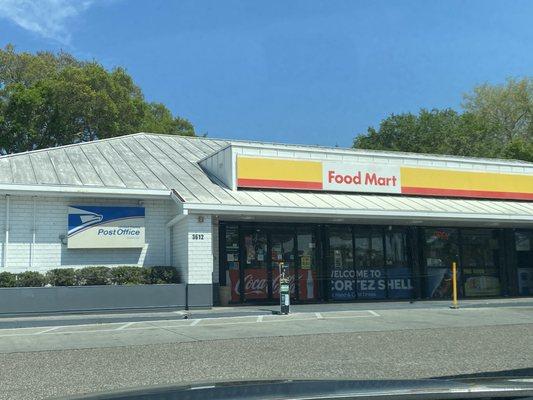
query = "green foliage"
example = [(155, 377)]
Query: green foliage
[(61, 277), (497, 122), (93, 276), (163, 274), (51, 99), (88, 276), (130, 275), (7, 279), (30, 279), (435, 131)]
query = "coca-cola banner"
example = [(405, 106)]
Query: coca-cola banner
[(275, 283), (255, 284), (308, 285)]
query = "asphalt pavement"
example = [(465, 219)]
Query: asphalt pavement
[(356, 342)]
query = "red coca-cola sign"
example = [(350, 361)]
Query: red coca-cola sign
[(256, 284)]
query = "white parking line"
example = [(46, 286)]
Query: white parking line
[(237, 320), (125, 326), (47, 330)]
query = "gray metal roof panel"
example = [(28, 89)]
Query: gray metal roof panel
[(83, 167), (63, 168), (127, 175), (43, 169), (6, 176)]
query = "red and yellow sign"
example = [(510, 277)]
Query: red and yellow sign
[(276, 173)]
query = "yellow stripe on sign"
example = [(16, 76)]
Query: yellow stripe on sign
[(464, 180), (279, 169)]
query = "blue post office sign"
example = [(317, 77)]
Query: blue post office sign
[(95, 227)]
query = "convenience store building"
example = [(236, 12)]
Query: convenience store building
[(351, 224)]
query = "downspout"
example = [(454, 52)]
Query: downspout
[(34, 227), (6, 243)]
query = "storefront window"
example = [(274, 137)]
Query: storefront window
[(524, 261), (341, 263), (480, 266), (232, 261), (307, 267), (440, 250)]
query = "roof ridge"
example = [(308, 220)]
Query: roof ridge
[(291, 145)]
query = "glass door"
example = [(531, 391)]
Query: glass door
[(308, 270), (480, 262), (255, 264), (341, 264), (369, 264), (440, 250), (282, 251), (524, 260)]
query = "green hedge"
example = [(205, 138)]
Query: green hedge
[(90, 276)]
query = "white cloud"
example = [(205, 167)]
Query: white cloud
[(47, 18)]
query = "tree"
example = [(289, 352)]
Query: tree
[(497, 121), (435, 131), (49, 100), (508, 107)]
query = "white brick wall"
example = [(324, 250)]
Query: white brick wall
[(180, 254), (200, 249), (192, 248), (51, 222)]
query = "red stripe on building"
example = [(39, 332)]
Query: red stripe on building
[(482, 194), (275, 184)]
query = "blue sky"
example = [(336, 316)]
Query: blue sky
[(316, 72)]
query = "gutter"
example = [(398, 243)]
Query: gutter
[(349, 213), (81, 191)]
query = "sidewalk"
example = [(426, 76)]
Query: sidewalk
[(248, 310)]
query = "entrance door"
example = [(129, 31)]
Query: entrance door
[(282, 251), (524, 262), (255, 264), (340, 263), (440, 250), (481, 262)]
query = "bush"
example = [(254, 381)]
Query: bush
[(130, 275), (7, 279), (164, 275), (30, 279), (61, 277), (88, 276), (93, 276)]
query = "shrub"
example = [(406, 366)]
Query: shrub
[(30, 279), (93, 276), (7, 279), (61, 277), (163, 274), (129, 275)]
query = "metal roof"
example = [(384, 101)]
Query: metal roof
[(148, 164)]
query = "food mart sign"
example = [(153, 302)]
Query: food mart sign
[(275, 173)]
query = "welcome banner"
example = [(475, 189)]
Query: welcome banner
[(275, 173)]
